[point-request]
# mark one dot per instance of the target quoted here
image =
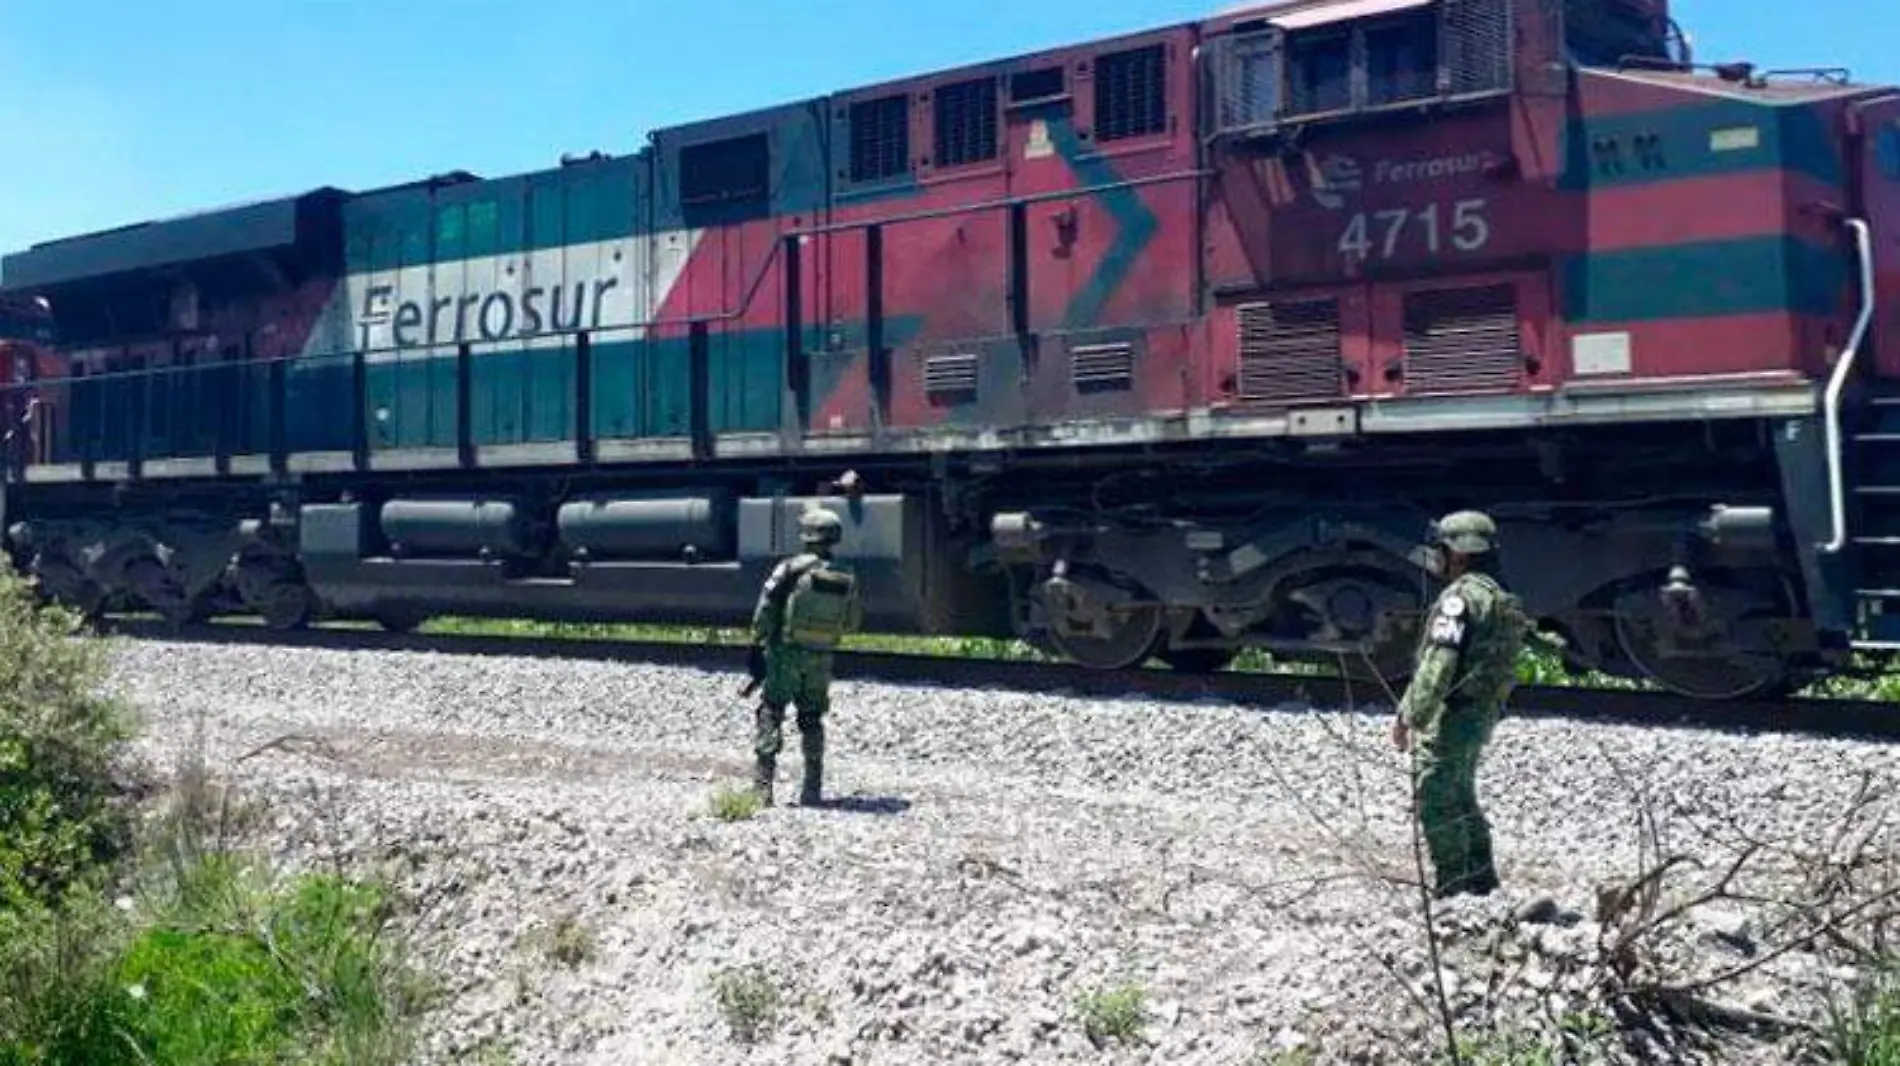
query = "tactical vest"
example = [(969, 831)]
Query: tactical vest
[(1488, 671), (818, 611)]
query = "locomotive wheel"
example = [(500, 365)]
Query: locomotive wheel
[(1197, 660), (288, 607), (400, 621), (1718, 674), (1137, 634)]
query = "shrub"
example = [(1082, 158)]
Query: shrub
[(570, 941), (748, 1000), (732, 804), (61, 739), (1113, 1014)]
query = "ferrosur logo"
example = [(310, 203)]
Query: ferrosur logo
[(1335, 178)]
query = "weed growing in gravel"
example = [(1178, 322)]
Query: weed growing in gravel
[(748, 1000), (736, 804), (1298, 1056), (570, 942), (1117, 1013), (1865, 1029)]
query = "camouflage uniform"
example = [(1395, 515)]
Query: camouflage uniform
[(793, 674), (1466, 670)]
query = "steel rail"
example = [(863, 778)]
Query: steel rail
[(1843, 718)]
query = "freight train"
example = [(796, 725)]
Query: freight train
[(1157, 347)]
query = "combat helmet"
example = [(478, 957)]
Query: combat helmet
[(818, 526), (1467, 532)]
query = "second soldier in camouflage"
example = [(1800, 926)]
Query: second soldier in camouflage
[(806, 607)]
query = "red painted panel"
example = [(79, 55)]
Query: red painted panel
[(1880, 182), (1725, 206), (1732, 344)]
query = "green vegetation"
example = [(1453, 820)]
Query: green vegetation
[(1540, 665), (1117, 1013), (748, 1000), (736, 804), (60, 741), (570, 942), (168, 946), (1865, 1029)]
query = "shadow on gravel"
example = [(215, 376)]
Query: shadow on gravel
[(886, 805)]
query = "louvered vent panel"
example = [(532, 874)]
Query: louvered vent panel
[(1097, 367), (1131, 94), (950, 377), (966, 122), (1289, 352), (1462, 340), (1477, 45), (880, 138)]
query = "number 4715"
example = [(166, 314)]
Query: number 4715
[(1384, 232)]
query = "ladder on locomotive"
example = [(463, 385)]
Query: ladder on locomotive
[(1863, 445), (1873, 528)]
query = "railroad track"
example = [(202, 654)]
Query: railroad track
[(1868, 719)]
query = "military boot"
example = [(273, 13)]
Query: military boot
[(762, 774), (811, 794)]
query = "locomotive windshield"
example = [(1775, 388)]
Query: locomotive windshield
[(25, 320)]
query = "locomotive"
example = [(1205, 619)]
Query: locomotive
[(1157, 347)]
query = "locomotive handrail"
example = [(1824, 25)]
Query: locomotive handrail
[(1837, 384)]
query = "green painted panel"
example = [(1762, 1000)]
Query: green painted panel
[(746, 381), (669, 390), (441, 393), (317, 399), (380, 384), (549, 390), (495, 398), (617, 394), (1746, 276), (1673, 144)]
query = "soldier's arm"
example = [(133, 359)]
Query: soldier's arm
[(766, 616), (1445, 632), (1425, 696)]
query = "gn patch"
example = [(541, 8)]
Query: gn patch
[(1447, 629)]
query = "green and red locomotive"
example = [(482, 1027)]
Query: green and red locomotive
[(1161, 346)]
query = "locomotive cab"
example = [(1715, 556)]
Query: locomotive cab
[(26, 342)]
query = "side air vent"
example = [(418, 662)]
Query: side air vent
[(1289, 352), (1462, 340), (950, 378), (1102, 367)]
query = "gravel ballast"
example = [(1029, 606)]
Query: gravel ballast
[(990, 858)]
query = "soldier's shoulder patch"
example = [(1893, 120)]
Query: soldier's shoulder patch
[(1452, 606), (1447, 630)]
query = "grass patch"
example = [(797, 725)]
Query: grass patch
[(570, 942), (748, 1001), (1864, 1030), (735, 803), (1117, 1013), (166, 945)]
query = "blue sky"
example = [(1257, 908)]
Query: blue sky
[(118, 112)]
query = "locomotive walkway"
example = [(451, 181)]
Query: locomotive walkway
[(1840, 718)]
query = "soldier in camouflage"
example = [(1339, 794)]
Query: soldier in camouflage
[(805, 609), (1466, 670)]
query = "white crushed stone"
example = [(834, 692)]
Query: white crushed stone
[(999, 854)]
